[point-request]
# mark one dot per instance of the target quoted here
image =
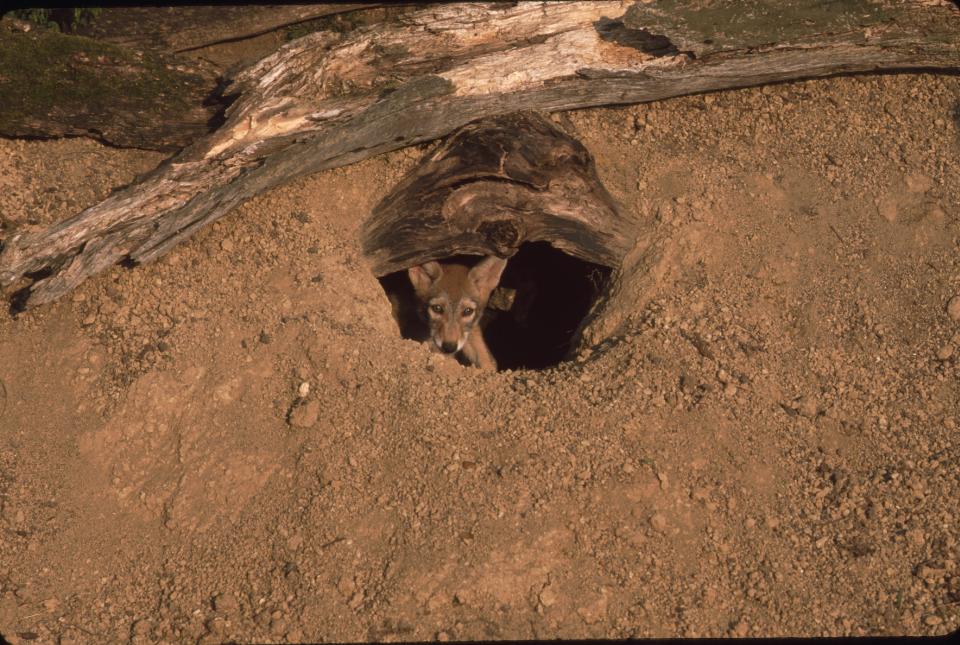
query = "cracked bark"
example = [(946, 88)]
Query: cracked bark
[(327, 100), (186, 28), (489, 188)]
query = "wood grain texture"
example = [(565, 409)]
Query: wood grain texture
[(492, 186), (327, 100), (185, 28)]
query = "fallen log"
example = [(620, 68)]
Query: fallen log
[(327, 100), (55, 85), (507, 186), (185, 28), (492, 186)]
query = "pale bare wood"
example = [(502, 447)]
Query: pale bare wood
[(325, 100)]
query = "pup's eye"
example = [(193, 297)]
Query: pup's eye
[(467, 311), (437, 309)]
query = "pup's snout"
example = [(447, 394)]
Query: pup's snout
[(447, 347)]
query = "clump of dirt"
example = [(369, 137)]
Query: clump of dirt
[(757, 435)]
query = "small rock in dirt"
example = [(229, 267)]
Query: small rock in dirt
[(216, 625), (548, 596), (291, 573), (278, 626), (303, 390), (953, 308), (346, 585), (226, 245), (932, 620), (595, 611), (265, 337), (658, 521), (51, 604), (917, 183), (356, 600), (888, 210), (916, 536), (304, 414), (807, 407), (936, 215), (945, 352), (226, 603), (663, 479)]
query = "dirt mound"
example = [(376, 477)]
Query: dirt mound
[(758, 435)]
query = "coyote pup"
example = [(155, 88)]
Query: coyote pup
[(453, 298)]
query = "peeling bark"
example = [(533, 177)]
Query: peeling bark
[(327, 100)]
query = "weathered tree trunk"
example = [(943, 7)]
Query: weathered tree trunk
[(185, 28), (492, 186), (53, 84), (325, 101)]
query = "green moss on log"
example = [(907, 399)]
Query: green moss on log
[(720, 25), (57, 84)]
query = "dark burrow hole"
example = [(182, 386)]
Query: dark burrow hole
[(533, 317)]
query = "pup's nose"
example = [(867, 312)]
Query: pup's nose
[(448, 347)]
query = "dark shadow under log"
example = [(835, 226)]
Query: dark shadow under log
[(535, 315)]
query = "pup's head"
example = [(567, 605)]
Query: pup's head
[(454, 297)]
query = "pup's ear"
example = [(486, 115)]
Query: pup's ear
[(486, 275), (424, 275)]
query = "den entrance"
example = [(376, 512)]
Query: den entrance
[(514, 186), (534, 316)]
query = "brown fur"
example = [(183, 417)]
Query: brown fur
[(453, 297)]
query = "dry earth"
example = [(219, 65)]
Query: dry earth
[(759, 436)]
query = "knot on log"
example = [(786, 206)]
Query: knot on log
[(504, 236)]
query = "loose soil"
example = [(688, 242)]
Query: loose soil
[(757, 437)]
